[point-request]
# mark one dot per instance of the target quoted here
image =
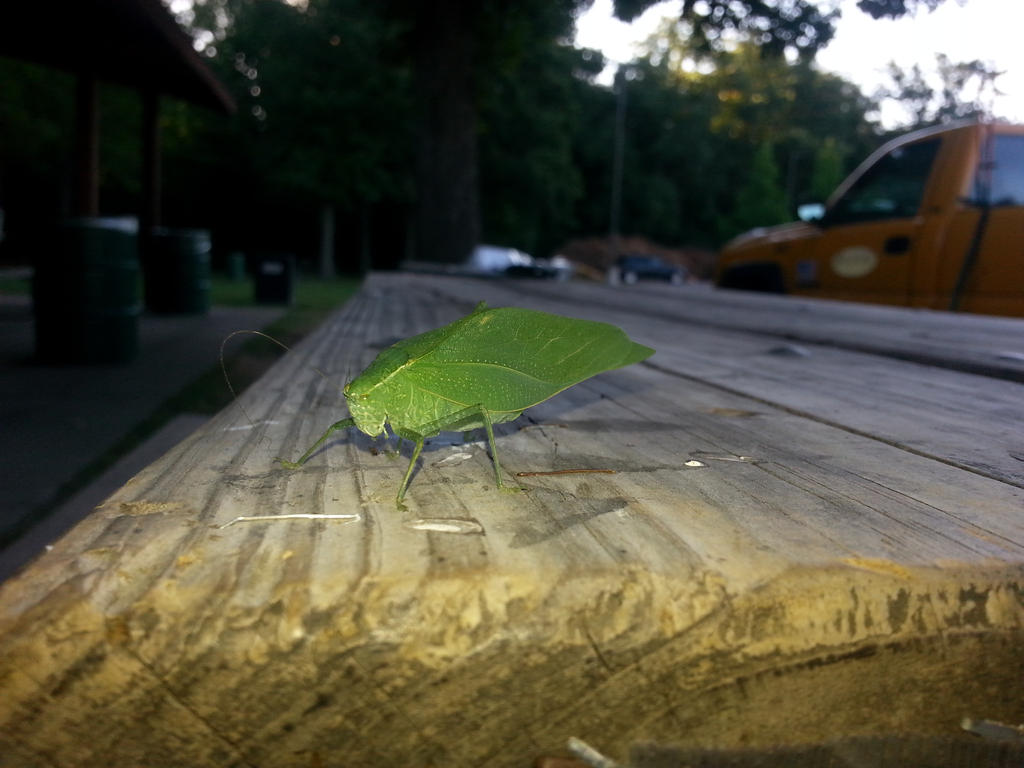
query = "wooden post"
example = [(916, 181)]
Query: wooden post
[(615, 212), (149, 209), (87, 147)]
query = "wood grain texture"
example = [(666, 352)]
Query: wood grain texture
[(792, 549), (991, 346)]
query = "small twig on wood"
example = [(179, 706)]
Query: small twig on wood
[(296, 516), (567, 472)]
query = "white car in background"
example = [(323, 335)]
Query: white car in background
[(496, 260)]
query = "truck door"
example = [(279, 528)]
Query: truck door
[(984, 266), (865, 250)]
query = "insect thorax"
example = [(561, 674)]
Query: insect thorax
[(366, 411), (366, 394)]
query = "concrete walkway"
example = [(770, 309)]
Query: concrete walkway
[(57, 420)]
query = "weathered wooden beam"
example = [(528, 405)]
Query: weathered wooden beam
[(807, 358), (748, 573), (989, 346)]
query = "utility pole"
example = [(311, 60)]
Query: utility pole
[(619, 142)]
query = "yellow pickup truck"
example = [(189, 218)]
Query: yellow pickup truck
[(934, 218)]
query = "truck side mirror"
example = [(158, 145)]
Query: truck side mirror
[(810, 212)]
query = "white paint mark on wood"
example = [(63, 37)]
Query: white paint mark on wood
[(247, 427), (454, 459), (589, 755), (790, 350), (445, 525), (709, 456), (295, 516)]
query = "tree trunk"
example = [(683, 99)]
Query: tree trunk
[(448, 204), (326, 259), (365, 253)]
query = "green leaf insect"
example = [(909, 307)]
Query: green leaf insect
[(484, 369)]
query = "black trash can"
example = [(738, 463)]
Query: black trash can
[(274, 278), (86, 293), (176, 268)]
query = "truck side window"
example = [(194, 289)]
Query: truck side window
[(891, 188), (1007, 172)]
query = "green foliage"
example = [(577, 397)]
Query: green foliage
[(964, 91), (828, 171), (774, 26), (36, 116), (120, 112), (324, 100), (36, 119), (761, 200), (529, 183), (15, 286), (894, 9), (796, 26), (328, 114), (696, 125), (324, 114)]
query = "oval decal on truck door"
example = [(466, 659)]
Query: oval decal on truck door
[(855, 261)]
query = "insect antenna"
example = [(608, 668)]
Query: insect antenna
[(224, 368)]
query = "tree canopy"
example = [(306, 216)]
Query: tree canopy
[(427, 129), (959, 91)]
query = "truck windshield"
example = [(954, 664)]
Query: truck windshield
[(891, 188)]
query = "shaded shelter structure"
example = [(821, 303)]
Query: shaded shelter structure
[(87, 276), (135, 43)]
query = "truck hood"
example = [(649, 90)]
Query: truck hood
[(795, 230)]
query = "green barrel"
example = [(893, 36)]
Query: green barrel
[(86, 293), (176, 270)]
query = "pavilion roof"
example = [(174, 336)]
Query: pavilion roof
[(131, 42)]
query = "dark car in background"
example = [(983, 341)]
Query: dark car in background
[(634, 267)]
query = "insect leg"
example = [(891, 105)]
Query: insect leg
[(412, 463), (450, 423), (343, 424), (486, 417)]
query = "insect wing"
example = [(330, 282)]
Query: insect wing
[(392, 359), (509, 359), (385, 389)]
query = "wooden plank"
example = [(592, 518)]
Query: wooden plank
[(738, 580), (991, 346), (966, 420)]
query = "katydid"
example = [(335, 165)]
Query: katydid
[(484, 369)]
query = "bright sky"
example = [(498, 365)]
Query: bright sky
[(989, 30)]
